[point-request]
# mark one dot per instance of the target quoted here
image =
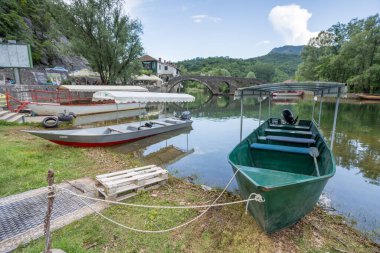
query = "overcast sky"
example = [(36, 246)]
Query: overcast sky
[(183, 29)]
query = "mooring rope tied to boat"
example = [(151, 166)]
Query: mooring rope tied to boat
[(258, 198)]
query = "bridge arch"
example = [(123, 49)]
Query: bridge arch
[(213, 82), (173, 84), (224, 87)]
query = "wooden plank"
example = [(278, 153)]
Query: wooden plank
[(112, 185), (128, 192), (123, 171), (139, 177), (130, 174), (136, 178), (134, 186), (126, 175)]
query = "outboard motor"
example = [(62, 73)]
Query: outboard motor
[(186, 115), (288, 117)]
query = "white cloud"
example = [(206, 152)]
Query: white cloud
[(263, 42), (131, 5), (205, 18), (291, 21)]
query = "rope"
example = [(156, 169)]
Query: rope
[(257, 198), (164, 230)]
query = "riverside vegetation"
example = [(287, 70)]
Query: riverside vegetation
[(27, 158)]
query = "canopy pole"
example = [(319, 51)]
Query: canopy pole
[(269, 98), (312, 114), (260, 111), (320, 110), (241, 116), (335, 117)]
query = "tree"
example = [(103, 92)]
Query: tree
[(250, 74), (219, 72), (101, 33), (348, 53), (264, 71)]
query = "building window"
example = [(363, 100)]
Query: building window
[(166, 67), (147, 65), (159, 66)]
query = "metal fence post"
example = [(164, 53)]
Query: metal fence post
[(50, 197)]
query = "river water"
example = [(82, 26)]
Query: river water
[(353, 192)]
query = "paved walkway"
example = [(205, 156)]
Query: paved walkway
[(22, 215)]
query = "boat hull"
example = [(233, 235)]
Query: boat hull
[(368, 97), (283, 175), (283, 206), (55, 108), (288, 94), (107, 136)]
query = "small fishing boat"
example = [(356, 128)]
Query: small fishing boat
[(121, 133), (368, 96), (78, 100), (288, 93), (112, 135), (286, 161)]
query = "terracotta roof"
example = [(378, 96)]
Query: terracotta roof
[(147, 58)]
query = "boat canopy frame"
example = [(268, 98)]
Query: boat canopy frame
[(321, 89)]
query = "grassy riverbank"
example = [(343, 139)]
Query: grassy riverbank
[(25, 160), (224, 229)]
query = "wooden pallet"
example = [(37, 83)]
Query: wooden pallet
[(127, 183)]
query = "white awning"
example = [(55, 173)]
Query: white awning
[(94, 88), (85, 73), (141, 97)]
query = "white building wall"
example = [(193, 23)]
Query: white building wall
[(161, 69)]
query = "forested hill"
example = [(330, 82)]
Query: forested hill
[(277, 66), (287, 50)]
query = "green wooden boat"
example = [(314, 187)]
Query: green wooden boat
[(288, 165)]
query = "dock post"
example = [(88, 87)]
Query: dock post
[(50, 197), (241, 116), (335, 117)]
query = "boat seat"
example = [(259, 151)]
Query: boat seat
[(287, 139), (272, 178), (173, 121), (132, 128), (289, 132), (290, 127), (116, 130), (161, 123), (280, 148)]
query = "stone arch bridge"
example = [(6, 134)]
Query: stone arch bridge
[(213, 83)]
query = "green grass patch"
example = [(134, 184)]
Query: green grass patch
[(25, 160)]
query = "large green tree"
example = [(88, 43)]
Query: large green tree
[(100, 32), (348, 53)]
